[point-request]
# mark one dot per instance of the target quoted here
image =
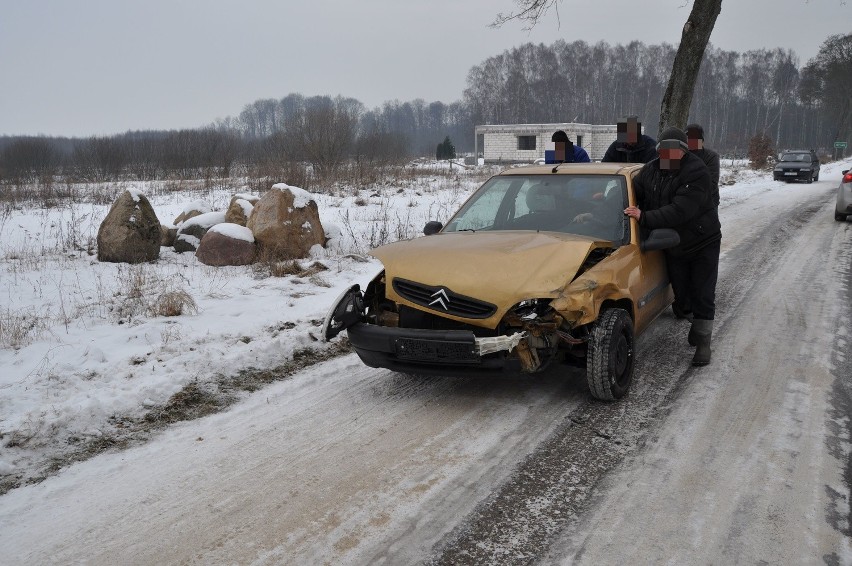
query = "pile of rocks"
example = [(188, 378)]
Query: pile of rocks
[(282, 224)]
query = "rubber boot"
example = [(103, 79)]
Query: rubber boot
[(701, 333)]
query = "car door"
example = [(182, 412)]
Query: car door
[(651, 290)]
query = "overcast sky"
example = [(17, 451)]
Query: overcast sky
[(96, 67)]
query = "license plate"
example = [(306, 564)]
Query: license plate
[(791, 173), (436, 351)]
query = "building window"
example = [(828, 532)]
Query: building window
[(526, 142), (579, 140)]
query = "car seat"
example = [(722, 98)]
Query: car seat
[(540, 199)]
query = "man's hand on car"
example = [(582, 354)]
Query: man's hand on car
[(633, 212)]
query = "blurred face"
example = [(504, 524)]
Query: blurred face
[(671, 152), (628, 131), (694, 139)]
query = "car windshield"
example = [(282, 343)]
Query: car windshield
[(587, 205), (796, 157)]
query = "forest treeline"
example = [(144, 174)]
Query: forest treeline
[(738, 96)]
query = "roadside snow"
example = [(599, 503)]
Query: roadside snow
[(81, 345)]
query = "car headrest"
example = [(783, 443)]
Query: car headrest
[(540, 198)]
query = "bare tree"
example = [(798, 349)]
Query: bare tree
[(828, 82), (674, 110)]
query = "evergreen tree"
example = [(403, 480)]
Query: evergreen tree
[(445, 150)]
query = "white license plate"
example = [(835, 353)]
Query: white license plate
[(791, 173)]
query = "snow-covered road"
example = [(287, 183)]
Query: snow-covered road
[(746, 460)]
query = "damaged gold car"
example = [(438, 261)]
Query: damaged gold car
[(539, 265)]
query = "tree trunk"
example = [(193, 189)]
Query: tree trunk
[(674, 111)]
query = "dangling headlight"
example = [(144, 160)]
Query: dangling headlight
[(346, 311)]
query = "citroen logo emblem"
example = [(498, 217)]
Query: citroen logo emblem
[(440, 297)]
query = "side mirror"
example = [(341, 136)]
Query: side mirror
[(660, 239), (432, 227), (844, 172)]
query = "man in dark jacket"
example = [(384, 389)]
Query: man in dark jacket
[(695, 141), (631, 145), (673, 191)]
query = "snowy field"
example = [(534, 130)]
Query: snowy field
[(85, 356)]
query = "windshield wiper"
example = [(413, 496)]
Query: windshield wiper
[(467, 230)]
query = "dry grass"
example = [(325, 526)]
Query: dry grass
[(19, 328), (142, 291), (270, 266), (173, 303)]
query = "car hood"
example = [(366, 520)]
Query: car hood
[(501, 268), (793, 165)]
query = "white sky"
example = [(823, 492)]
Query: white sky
[(95, 67)]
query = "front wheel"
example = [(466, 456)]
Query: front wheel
[(609, 366), (839, 217)]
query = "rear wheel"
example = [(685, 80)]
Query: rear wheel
[(609, 366)]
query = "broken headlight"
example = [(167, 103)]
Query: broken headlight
[(531, 309)]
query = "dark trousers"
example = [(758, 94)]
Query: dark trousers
[(693, 278)]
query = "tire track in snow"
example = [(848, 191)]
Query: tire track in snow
[(557, 483)]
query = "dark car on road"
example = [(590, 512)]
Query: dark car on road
[(797, 165)]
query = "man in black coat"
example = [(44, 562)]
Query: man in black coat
[(631, 145), (695, 141), (673, 191)]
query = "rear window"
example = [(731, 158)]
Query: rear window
[(796, 157)]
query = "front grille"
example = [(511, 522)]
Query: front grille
[(441, 299)]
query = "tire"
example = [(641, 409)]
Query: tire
[(816, 177), (810, 179), (839, 217), (610, 361)]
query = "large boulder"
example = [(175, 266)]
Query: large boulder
[(285, 223), (240, 208), (191, 210), (130, 233), (168, 234), (226, 244), (191, 231)]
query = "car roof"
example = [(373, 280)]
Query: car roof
[(574, 169)]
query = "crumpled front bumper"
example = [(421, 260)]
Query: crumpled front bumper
[(434, 352)]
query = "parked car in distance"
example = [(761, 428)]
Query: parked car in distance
[(800, 164), (539, 265), (844, 197)]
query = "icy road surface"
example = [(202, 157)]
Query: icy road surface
[(744, 461)]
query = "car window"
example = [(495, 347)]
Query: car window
[(588, 205), (796, 157), (480, 213)]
